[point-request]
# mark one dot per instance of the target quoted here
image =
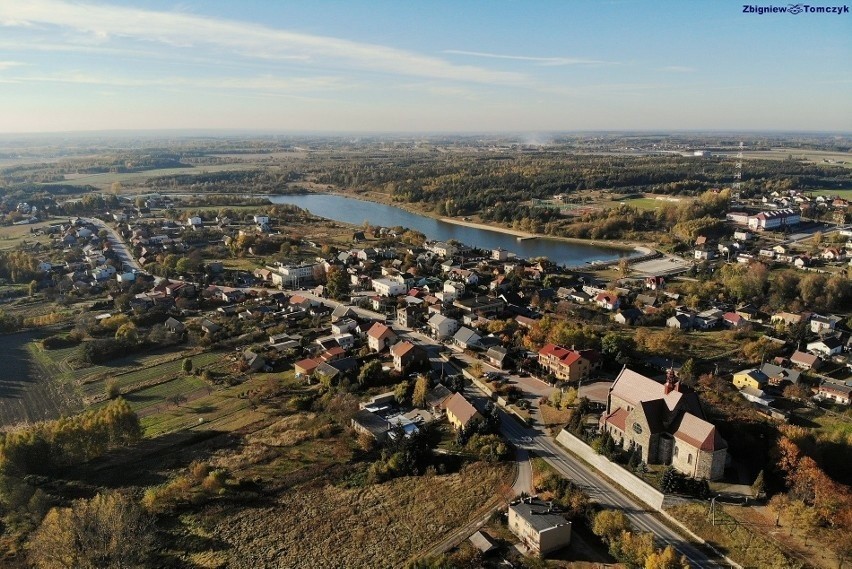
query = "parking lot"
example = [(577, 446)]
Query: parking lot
[(663, 266)]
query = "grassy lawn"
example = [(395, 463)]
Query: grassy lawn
[(12, 236), (158, 394)]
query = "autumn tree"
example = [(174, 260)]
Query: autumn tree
[(110, 530), (666, 559), (421, 390), (337, 283)]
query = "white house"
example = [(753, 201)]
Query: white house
[(389, 287), (442, 327), (823, 324), (261, 219), (826, 347), (194, 222)]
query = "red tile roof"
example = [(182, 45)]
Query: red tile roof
[(379, 331)]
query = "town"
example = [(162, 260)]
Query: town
[(612, 411)]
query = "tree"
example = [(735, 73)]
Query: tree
[(337, 283), (186, 366), (111, 389), (666, 559), (688, 372), (421, 390), (401, 392), (127, 332), (110, 530), (608, 524), (370, 373)]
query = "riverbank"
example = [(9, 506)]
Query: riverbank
[(619, 245), (639, 248)]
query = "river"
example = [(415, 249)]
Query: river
[(356, 212)]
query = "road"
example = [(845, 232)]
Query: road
[(535, 441), (118, 245)]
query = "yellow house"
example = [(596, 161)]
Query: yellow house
[(753, 378)]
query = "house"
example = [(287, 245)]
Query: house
[(460, 412), (580, 296), (805, 360), (253, 361), (541, 528), (305, 368), (734, 320), (370, 424), (665, 424), (608, 300), (261, 219), (826, 346), (757, 396), (174, 326), (824, 324), (442, 327), (465, 338), (680, 321), (828, 391), (567, 365), (380, 337), (482, 542), (628, 316), (209, 327), (194, 222), (753, 378), (389, 287), (406, 355), (437, 397), (787, 318), (833, 254), (708, 319), (497, 356), (777, 219), (779, 375)]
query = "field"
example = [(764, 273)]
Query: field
[(377, 525), (817, 156), (107, 179), (30, 388), (11, 236)]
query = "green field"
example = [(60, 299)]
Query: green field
[(143, 371), (845, 194)]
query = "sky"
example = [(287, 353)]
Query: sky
[(427, 66)]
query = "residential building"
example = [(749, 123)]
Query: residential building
[(757, 396), (380, 337), (628, 316), (389, 287), (608, 300), (827, 347), (541, 528), (567, 365), (465, 338), (294, 276), (665, 424), (460, 412), (824, 324), (442, 327), (804, 360), (839, 393), (406, 355), (497, 356), (437, 398), (174, 326), (777, 219), (752, 378), (779, 375), (370, 424), (680, 321)]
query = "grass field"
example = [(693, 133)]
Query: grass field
[(11, 236), (107, 179), (816, 156), (379, 525), (845, 194), (149, 369), (32, 386)]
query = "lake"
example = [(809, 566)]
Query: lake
[(356, 212)]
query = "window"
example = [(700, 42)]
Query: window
[(689, 459), (637, 428), (675, 450)]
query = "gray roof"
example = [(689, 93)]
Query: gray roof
[(466, 336), (372, 422), (482, 542), (437, 395), (772, 370), (497, 352), (538, 514)]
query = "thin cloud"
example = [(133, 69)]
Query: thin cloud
[(9, 64), (544, 61), (262, 83), (183, 30), (678, 69)]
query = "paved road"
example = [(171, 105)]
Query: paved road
[(117, 243), (531, 439), (601, 491)]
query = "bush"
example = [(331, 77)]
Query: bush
[(59, 341), (111, 389)]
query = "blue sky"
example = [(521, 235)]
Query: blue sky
[(421, 66)]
